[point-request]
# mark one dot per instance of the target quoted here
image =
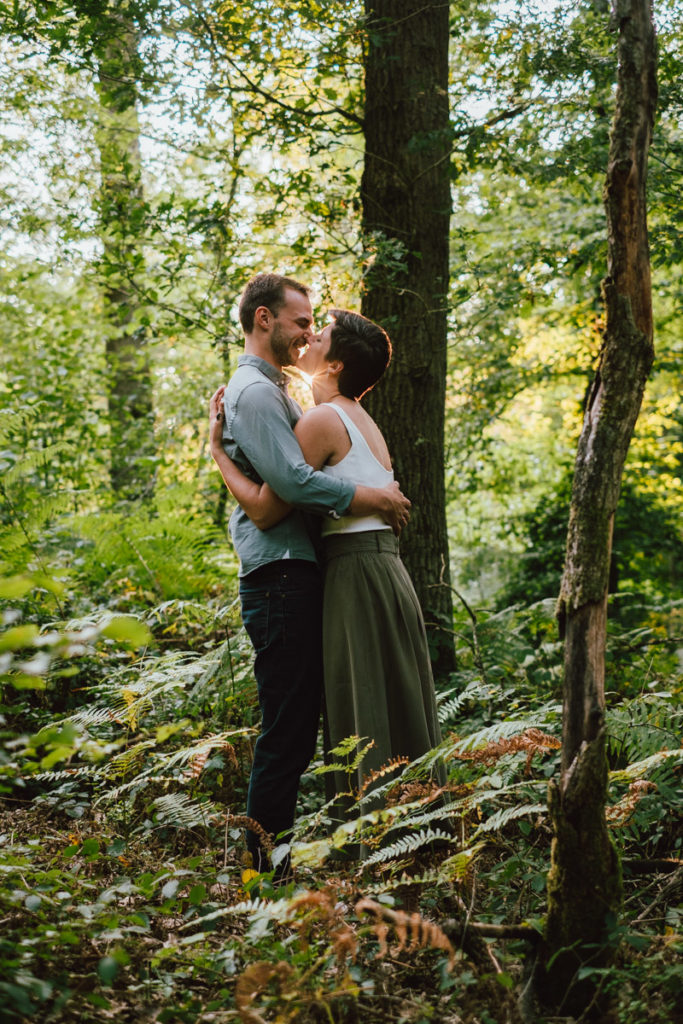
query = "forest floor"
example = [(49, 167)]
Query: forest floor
[(164, 929)]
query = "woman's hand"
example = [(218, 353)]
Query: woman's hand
[(216, 418)]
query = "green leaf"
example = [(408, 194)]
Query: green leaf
[(170, 889), (107, 969), (24, 682), (197, 894), (128, 630), (18, 636), (15, 586)]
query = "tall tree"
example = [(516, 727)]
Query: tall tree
[(584, 884), (122, 216), (405, 192)]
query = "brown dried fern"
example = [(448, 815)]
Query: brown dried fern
[(619, 814), (196, 766), (413, 932), (379, 773), (254, 980), (323, 911), (533, 741), (244, 821), (414, 792)]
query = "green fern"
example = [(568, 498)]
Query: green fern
[(407, 844), (450, 706), (641, 769), (643, 726), (499, 819), (179, 811)]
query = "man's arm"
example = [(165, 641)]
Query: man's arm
[(263, 432), (261, 428), (259, 501)]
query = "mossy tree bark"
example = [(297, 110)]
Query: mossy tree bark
[(122, 221), (584, 883), (406, 203)]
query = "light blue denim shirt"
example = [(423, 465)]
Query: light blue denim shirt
[(258, 435)]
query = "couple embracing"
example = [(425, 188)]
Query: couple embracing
[(326, 600)]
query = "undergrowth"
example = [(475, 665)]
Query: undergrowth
[(128, 719)]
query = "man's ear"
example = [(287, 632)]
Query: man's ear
[(262, 317)]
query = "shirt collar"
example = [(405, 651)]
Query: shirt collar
[(277, 376)]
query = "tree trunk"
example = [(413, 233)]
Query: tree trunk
[(584, 883), (406, 201), (122, 218)]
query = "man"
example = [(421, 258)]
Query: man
[(280, 582)]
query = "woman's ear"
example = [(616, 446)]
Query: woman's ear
[(335, 367)]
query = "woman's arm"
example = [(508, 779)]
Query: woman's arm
[(259, 501)]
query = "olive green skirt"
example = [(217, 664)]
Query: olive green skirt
[(378, 676)]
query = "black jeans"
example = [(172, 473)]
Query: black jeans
[(282, 613)]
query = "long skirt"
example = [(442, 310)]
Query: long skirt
[(378, 676)]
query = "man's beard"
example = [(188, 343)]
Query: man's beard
[(281, 347)]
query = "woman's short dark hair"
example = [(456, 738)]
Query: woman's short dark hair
[(265, 290), (363, 347)]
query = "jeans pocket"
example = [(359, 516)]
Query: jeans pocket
[(256, 618)]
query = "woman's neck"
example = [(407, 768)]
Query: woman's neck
[(324, 389)]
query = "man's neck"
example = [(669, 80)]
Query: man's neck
[(255, 346)]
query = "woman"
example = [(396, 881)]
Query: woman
[(377, 673)]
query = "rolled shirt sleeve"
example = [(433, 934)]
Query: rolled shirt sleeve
[(261, 428)]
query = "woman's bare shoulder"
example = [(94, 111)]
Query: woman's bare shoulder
[(322, 417)]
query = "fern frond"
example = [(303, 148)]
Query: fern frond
[(642, 726), (407, 844), (390, 882), (127, 760), (618, 814), (499, 819), (34, 458), (449, 706), (639, 769), (64, 774), (140, 782), (531, 741), (457, 866), (344, 749), (255, 906), (412, 931), (495, 733), (179, 811), (386, 769)]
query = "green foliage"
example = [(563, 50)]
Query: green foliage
[(128, 701), (647, 547)]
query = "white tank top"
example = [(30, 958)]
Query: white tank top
[(362, 467)]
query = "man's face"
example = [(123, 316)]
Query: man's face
[(314, 360), (293, 328)]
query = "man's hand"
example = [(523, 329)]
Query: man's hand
[(216, 420), (387, 502), (397, 510)]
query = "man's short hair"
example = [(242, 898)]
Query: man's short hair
[(363, 347), (265, 290)]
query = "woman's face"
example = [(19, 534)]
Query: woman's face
[(314, 359)]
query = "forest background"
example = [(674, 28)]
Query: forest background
[(154, 156)]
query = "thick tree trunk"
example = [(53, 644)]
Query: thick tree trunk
[(406, 211), (584, 884), (122, 214)]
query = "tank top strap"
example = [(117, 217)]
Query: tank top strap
[(355, 433)]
